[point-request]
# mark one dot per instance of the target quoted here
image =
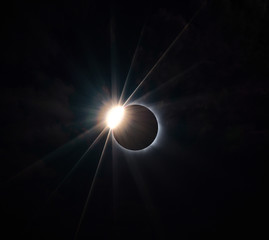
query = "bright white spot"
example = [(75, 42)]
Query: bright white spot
[(114, 116)]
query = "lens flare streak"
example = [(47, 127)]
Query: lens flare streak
[(92, 187)]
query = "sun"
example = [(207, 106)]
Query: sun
[(114, 116)]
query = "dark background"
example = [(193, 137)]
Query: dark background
[(204, 179)]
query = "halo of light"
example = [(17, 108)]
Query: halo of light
[(138, 129), (157, 141)]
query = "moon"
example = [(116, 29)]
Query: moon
[(138, 129)]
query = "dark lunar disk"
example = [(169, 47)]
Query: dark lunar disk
[(138, 129)]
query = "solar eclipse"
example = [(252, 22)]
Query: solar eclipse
[(134, 127)]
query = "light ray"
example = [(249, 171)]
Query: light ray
[(56, 152), (92, 186), (145, 194), (70, 172), (115, 172), (167, 82), (113, 57), (132, 63), (165, 52), (78, 162)]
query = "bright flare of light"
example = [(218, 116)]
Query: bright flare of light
[(114, 116)]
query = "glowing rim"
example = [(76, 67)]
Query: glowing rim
[(155, 141)]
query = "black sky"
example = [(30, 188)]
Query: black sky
[(204, 179)]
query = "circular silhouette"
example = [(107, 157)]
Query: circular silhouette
[(138, 128)]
